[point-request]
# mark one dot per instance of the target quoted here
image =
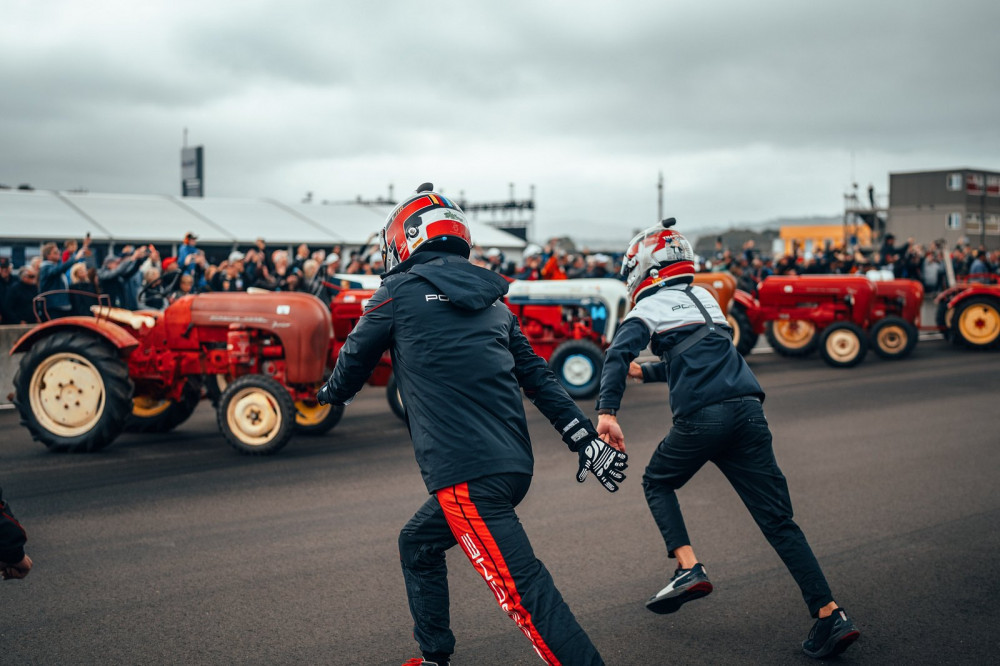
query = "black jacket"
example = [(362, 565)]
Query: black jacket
[(19, 303), (708, 372), (12, 536), (459, 358)]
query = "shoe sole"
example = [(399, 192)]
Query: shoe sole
[(839, 644), (668, 605)]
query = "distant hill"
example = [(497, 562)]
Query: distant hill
[(702, 238)]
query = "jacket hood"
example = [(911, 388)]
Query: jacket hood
[(467, 286)]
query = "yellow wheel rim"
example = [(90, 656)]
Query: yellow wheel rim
[(793, 333), (66, 394), (310, 414), (145, 407), (979, 324)]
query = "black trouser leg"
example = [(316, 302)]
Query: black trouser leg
[(422, 545), (750, 466), (682, 452)]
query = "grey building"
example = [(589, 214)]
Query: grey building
[(953, 205)]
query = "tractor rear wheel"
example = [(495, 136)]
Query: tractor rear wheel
[(312, 418), (395, 399), (256, 414), (792, 337), (943, 318), (744, 337), (73, 392), (893, 338), (976, 322), (843, 344), (163, 414), (577, 365)]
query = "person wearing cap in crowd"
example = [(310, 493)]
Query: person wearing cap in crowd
[(188, 248), (230, 276), (18, 302), (115, 278), (6, 282), (331, 265), (494, 259), (532, 269)]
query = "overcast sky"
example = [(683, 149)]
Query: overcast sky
[(752, 111)]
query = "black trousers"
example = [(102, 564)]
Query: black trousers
[(479, 515), (735, 436)]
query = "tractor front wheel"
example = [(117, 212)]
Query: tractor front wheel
[(843, 344), (792, 337), (744, 337), (256, 414), (893, 338), (976, 322), (73, 392), (577, 365)]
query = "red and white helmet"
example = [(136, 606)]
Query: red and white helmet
[(656, 257), (425, 219)]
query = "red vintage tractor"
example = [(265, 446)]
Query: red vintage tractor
[(82, 380), (969, 312), (838, 314)]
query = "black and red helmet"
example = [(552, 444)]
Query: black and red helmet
[(657, 257), (425, 219)]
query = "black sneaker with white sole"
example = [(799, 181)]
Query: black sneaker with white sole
[(686, 585), (830, 635)]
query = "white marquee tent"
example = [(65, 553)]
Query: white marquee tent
[(44, 215)]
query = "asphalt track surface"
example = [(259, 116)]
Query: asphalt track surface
[(168, 549)]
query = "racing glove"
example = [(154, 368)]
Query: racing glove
[(605, 463), (323, 396)]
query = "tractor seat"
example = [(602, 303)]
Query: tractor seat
[(123, 316)]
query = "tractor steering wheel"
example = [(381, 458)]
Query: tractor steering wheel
[(161, 287)]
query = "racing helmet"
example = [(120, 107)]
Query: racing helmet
[(657, 257), (425, 219)]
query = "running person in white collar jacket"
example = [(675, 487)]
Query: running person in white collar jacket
[(718, 417), (460, 361)]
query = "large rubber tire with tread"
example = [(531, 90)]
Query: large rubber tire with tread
[(843, 344), (152, 415), (976, 323), (893, 338), (394, 399), (792, 337), (744, 337), (943, 318), (577, 365), (73, 392), (256, 414), (312, 418)]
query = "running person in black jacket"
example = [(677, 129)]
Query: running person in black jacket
[(460, 360), (14, 563), (718, 417)]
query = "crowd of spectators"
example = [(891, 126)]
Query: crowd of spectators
[(140, 278)]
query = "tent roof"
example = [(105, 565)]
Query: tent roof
[(42, 215)]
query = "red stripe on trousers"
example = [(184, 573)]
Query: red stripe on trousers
[(474, 537)]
